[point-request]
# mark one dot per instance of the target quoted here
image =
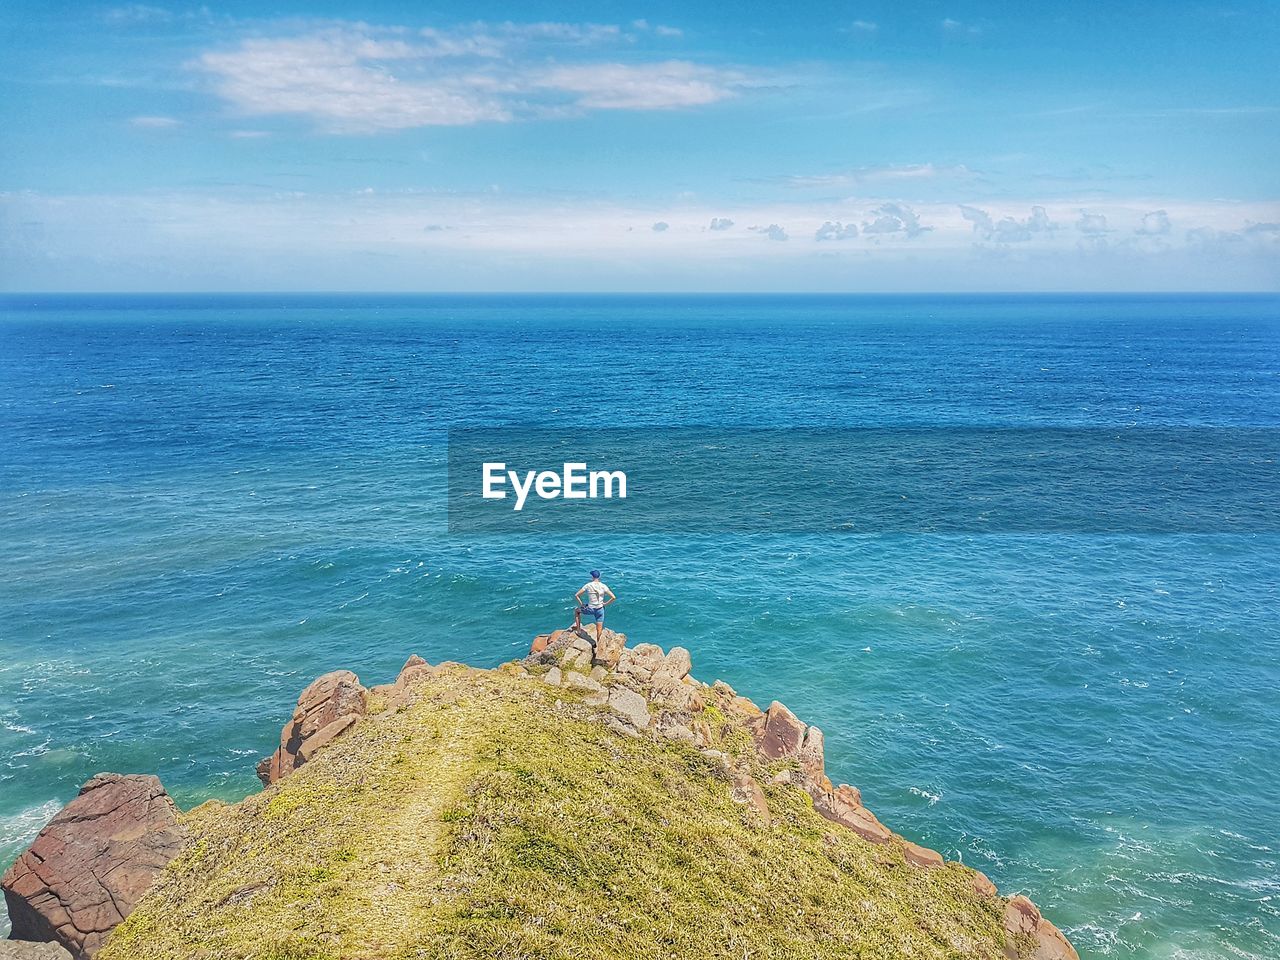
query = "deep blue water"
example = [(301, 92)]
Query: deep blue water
[(205, 502)]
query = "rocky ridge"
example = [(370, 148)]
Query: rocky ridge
[(127, 830)]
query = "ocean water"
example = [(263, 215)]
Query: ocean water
[(207, 501)]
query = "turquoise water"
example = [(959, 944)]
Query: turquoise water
[(206, 502)]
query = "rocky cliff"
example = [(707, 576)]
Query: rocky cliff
[(593, 800)]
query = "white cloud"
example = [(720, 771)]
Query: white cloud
[(251, 238), (721, 223), (1155, 224), (835, 230), (155, 123), (864, 26), (646, 86), (890, 219), (660, 30), (772, 231), (1007, 229), (341, 80), (354, 78), (1092, 224)]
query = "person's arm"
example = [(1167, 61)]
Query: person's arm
[(578, 596), (611, 597)]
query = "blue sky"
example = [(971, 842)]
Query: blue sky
[(640, 146)]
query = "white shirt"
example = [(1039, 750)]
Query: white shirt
[(597, 593)]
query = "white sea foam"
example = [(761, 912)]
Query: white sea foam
[(20, 829), (925, 795)]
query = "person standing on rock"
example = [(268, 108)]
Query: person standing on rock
[(596, 592)]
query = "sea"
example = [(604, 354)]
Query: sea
[(207, 501)]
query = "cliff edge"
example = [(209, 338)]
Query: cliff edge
[(591, 801)]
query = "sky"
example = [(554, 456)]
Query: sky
[(548, 146)]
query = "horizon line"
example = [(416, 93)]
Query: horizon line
[(639, 293)]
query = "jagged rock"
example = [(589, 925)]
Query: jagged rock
[(630, 706), (724, 690), (581, 681), (92, 863), (844, 806), (919, 856), (26, 950), (326, 709), (780, 734), (547, 647), (414, 669), (553, 676), (607, 652), (399, 692), (745, 790), (621, 726), (541, 642), (1022, 919), (675, 695), (577, 658), (640, 662), (675, 665), (982, 884), (812, 755)]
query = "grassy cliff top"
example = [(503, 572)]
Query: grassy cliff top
[(492, 815)]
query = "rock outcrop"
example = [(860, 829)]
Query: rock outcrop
[(29, 950), (92, 863), (647, 692), (326, 710), (1023, 921)]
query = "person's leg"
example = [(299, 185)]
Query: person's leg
[(599, 628), (577, 618)]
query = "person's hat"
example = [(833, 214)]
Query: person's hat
[(595, 574)]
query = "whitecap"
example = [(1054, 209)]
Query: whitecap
[(925, 795), (21, 828)]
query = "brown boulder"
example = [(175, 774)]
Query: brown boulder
[(608, 650), (919, 856), (1022, 919), (540, 643), (982, 884), (780, 734), (675, 665), (639, 663), (27, 950), (844, 806), (329, 707), (414, 669), (91, 864), (812, 756), (546, 647)]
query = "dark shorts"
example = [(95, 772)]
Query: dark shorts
[(595, 613)]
